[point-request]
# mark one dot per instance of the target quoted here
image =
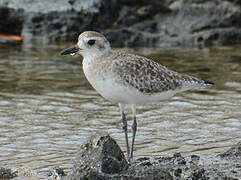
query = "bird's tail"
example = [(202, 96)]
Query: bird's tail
[(207, 82)]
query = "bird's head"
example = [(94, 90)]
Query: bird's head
[(90, 44)]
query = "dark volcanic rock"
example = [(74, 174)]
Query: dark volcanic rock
[(56, 20), (125, 22), (7, 173), (101, 158), (234, 152), (11, 20), (56, 173)]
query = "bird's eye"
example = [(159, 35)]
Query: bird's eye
[(91, 42)]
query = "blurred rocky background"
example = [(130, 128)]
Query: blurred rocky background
[(125, 22)]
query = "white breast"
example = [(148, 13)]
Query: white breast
[(108, 87)]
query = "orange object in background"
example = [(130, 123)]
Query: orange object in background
[(13, 37)]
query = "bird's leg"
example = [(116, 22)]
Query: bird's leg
[(124, 123), (134, 128)]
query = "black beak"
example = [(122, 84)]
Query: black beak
[(70, 50)]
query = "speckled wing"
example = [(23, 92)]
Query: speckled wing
[(148, 76)]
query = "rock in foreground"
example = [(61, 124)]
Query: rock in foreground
[(98, 157), (101, 158)]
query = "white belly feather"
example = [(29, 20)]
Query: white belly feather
[(119, 93)]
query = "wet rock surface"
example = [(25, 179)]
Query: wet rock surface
[(7, 173), (18, 173), (101, 158), (56, 173), (125, 23), (98, 158), (233, 152)]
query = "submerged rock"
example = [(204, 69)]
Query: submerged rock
[(102, 158), (126, 23)]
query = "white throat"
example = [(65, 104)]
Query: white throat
[(90, 55)]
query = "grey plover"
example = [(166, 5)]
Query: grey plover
[(127, 78)]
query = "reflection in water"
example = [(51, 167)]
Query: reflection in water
[(47, 108)]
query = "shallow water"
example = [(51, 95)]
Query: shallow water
[(47, 107)]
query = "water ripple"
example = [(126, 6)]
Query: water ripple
[(47, 109)]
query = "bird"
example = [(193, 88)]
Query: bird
[(128, 79)]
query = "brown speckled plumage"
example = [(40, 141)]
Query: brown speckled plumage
[(146, 75)]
